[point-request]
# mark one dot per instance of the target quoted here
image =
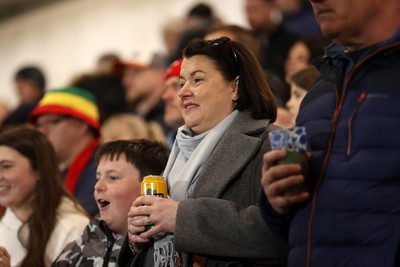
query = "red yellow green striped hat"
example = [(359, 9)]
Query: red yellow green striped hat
[(72, 101)]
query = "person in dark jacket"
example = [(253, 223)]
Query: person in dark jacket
[(349, 216), (122, 164), (30, 84)]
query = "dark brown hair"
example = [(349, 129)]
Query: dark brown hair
[(233, 60), (149, 157), (305, 78), (49, 189)]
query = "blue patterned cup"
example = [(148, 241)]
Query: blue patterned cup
[(294, 141)]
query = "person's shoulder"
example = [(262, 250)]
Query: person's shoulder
[(244, 123), (69, 213)]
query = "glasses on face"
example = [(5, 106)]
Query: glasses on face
[(50, 122), (221, 41)]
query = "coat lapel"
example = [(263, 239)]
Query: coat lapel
[(238, 145)]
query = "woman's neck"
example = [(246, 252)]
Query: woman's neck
[(22, 212)]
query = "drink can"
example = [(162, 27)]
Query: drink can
[(154, 185)]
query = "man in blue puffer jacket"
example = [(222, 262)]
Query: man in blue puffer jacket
[(351, 214)]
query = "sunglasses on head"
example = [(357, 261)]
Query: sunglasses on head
[(223, 40)]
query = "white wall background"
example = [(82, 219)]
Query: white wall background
[(65, 39)]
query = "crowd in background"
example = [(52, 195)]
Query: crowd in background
[(123, 86)]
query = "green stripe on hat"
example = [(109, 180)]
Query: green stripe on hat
[(78, 91)]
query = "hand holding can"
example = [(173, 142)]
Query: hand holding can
[(154, 185)]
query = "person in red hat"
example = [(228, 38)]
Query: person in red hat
[(69, 118), (172, 113)]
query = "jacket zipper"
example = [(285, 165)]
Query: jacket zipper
[(350, 121), (329, 148)]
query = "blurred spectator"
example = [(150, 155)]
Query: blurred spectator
[(126, 126), (41, 216), (171, 32), (300, 56), (70, 119), (105, 83), (106, 63), (298, 17), (30, 84), (249, 39), (275, 40), (173, 113), (199, 18), (108, 90), (200, 13), (144, 85), (283, 118), (302, 82)]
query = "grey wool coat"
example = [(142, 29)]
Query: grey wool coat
[(221, 220)]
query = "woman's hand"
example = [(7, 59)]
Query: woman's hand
[(283, 184), (150, 215), (5, 259)]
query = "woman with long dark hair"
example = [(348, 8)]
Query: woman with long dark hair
[(40, 216)]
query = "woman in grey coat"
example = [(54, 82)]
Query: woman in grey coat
[(214, 170)]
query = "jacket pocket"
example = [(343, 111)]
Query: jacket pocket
[(360, 99)]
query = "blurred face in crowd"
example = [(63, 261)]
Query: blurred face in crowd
[(136, 84), (118, 185), (259, 14), (121, 130), (347, 22), (27, 91), (62, 131), (172, 111), (141, 84), (298, 58), (296, 96), (17, 179), (206, 97)]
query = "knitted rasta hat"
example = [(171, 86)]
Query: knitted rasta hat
[(174, 69), (72, 101)]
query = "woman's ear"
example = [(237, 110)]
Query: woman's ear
[(235, 89)]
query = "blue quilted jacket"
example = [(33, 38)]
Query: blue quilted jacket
[(352, 118)]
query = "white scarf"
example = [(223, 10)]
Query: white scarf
[(188, 155)]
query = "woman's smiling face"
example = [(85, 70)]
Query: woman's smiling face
[(206, 97), (17, 179)]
